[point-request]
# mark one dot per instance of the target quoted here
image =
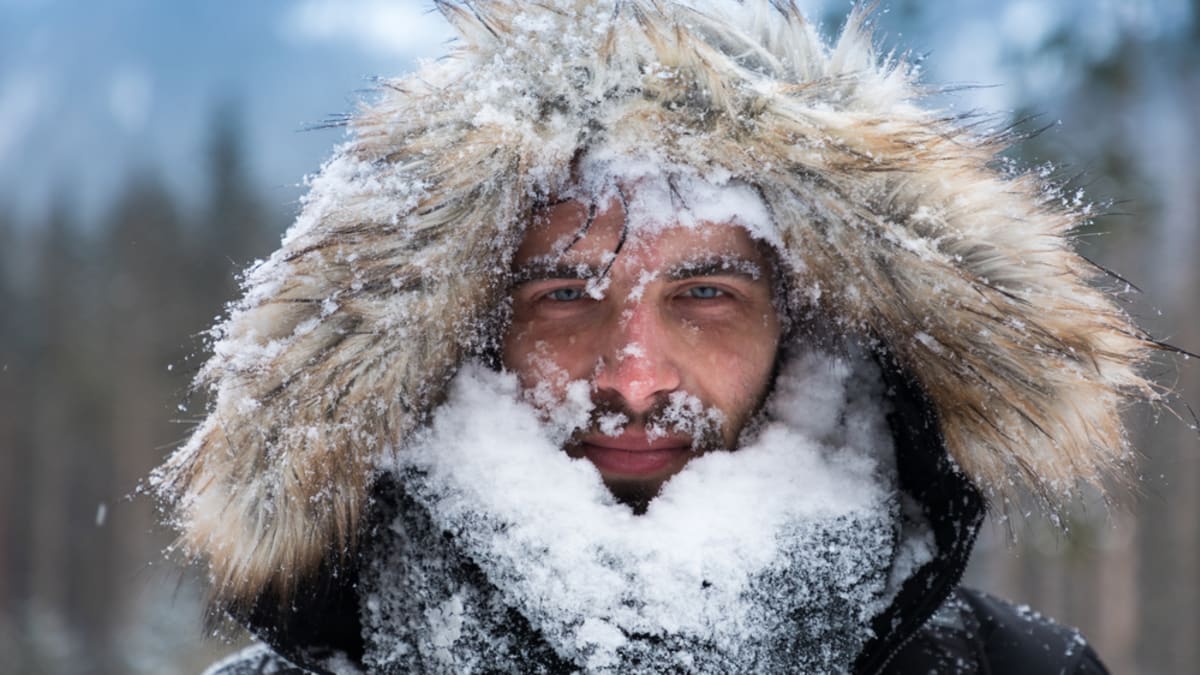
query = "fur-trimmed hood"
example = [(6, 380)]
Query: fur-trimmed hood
[(895, 220)]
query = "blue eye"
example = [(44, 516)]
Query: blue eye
[(565, 294), (704, 292)]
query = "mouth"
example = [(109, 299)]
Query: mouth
[(634, 456)]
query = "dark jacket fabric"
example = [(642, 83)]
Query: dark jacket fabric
[(974, 633), (971, 634)]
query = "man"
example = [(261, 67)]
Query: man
[(651, 337)]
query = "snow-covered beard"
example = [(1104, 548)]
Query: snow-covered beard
[(506, 555)]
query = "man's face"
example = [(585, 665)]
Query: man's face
[(677, 340)]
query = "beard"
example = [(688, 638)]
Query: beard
[(506, 555), (676, 415), (576, 412)]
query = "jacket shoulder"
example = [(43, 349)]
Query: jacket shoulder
[(974, 632), (257, 659), (1020, 640)]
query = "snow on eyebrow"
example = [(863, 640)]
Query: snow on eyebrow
[(715, 265), (541, 268)]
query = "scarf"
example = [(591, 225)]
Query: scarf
[(505, 555)]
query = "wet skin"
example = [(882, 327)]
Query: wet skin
[(679, 309)]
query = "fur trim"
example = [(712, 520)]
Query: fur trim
[(893, 218)]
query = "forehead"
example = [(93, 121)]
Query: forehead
[(573, 231)]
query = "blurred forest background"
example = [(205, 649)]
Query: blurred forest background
[(106, 297)]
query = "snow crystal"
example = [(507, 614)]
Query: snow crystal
[(447, 622), (687, 414), (596, 286), (639, 289), (929, 341), (632, 350), (246, 405), (611, 424), (340, 663)]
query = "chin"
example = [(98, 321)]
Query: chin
[(637, 494)]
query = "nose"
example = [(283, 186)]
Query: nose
[(637, 363)]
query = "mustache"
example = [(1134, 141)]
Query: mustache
[(674, 414)]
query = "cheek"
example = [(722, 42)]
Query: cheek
[(741, 380), (540, 357), (512, 348), (735, 370)]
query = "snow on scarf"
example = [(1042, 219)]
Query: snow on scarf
[(508, 555)]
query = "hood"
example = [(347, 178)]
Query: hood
[(895, 222)]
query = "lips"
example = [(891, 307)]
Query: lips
[(632, 455)]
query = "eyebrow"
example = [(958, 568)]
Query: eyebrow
[(706, 266), (538, 271), (716, 266)]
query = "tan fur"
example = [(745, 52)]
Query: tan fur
[(895, 223)]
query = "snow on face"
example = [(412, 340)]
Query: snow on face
[(671, 327)]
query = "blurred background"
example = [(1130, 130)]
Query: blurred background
[(150, 151)]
